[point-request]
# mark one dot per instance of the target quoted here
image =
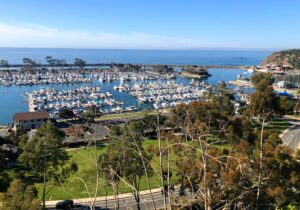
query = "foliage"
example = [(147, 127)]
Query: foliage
[(259, 76), (115, 130), (55, 62), (66, 113), (125, 161), (45, 156), (20, 197), (45, 144), (286, 105), (79, 62), (223, 102), (289, 57), (4, 63), (90, 113), (134, 129), (263, 102)]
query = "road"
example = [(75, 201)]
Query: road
[(128, 202), (292, 138)]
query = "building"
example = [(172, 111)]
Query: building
[(29, 120)]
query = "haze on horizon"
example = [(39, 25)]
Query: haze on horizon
[(155, 24)]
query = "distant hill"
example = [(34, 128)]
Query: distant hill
[(286, 57)]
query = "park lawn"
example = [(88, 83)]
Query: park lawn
[(129, 115), (85, 158), (278, 126)]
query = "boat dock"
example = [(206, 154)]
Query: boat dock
[(241, 83), (30, 103)]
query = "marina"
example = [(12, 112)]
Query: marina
[(77, 100), (154, 79), (41, 78), (167, 94), (147, 88), (124, 88)]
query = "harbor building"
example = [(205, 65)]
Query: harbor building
[(29, 120)]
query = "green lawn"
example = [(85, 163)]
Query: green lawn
[(85, 159), (129, 115), (278, 126)]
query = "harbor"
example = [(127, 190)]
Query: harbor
[(124, 87), (41, 78), (119, 88)]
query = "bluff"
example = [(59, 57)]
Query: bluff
[(285, 57)]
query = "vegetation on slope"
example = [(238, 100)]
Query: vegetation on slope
[(285, 57)]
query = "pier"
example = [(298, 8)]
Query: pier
[(30, 103)]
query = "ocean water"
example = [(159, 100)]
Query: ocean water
[(208, 57), (11, 100)]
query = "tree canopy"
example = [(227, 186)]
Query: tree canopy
[(20, 197), (125, 161), (44, 155), (79, 63), (66, 113)]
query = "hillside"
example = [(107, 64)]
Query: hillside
[(286, 57)]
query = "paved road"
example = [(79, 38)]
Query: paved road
[(292, 138), (129, 202)]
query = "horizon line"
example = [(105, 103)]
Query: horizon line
[(153, 49)]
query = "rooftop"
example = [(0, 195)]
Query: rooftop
[(30, 116)]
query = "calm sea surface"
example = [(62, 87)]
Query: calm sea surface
[(214, 57), (11, 100)]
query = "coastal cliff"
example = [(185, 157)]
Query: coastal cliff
[(286, 57)]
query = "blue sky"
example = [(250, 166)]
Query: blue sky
[(150, 24)]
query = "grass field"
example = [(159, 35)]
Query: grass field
[(129, 115), (85, 159), (278, 126), (126, 115)]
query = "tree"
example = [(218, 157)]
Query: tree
[(20, 197), (66, 113), (286, 105), (264, 105), (258, 77), (263, 102), (91, 112), (135, 129), (115, 130), (49, 59), (125, 161), (29, 64), (4, 63), (44, 155), (79, 63), (283, 184), (223, 103)]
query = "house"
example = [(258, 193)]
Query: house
[(29, 120)]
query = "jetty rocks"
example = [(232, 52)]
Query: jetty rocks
[(287, 57)]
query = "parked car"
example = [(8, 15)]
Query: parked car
[(66, 204)]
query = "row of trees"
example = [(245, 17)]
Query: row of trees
[(53, 62)]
